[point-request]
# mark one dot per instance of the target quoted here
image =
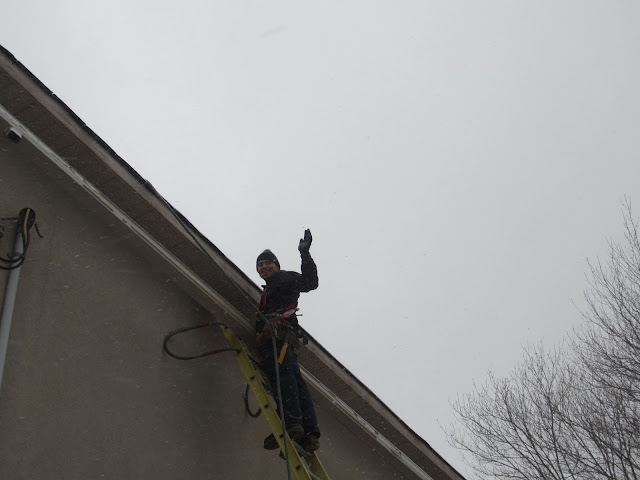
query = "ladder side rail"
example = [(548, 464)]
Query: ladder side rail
[(297, 465)]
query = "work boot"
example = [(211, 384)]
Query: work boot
[(310, 442), (295, 431)]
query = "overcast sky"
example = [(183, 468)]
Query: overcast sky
[(457, 162)]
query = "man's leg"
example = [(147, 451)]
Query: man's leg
[(289, 389), (309, 417)]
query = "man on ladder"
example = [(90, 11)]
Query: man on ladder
[(278, 305)]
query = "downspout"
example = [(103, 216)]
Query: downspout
[(12, 288)]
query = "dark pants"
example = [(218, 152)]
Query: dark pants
[(296, 399)]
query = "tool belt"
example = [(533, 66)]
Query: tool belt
[(284, 325)]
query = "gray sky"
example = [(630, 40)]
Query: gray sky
[(457, 162)]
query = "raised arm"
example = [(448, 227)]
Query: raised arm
[(309, 278)]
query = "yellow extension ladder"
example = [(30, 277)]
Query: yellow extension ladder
[(310, 468)]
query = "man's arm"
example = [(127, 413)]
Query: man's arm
[(309, 278)]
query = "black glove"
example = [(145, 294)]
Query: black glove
[(305, 243)]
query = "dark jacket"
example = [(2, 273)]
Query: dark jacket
[(283, 289)]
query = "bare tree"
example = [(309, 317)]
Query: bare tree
[(573, 412), (514, 427), (608, 347)]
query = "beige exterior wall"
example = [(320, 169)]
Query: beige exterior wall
[(87, 390)]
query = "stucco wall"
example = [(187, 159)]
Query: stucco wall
[(87, 390)]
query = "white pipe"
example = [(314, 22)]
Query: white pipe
[(9, 302)]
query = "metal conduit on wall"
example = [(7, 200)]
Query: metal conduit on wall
[(9, 302)]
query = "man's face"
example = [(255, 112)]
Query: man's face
[(266, 269)]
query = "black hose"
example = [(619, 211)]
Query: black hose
[(200, 355), (246, 404), (178, 217), (26, 219), (280, 403)]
